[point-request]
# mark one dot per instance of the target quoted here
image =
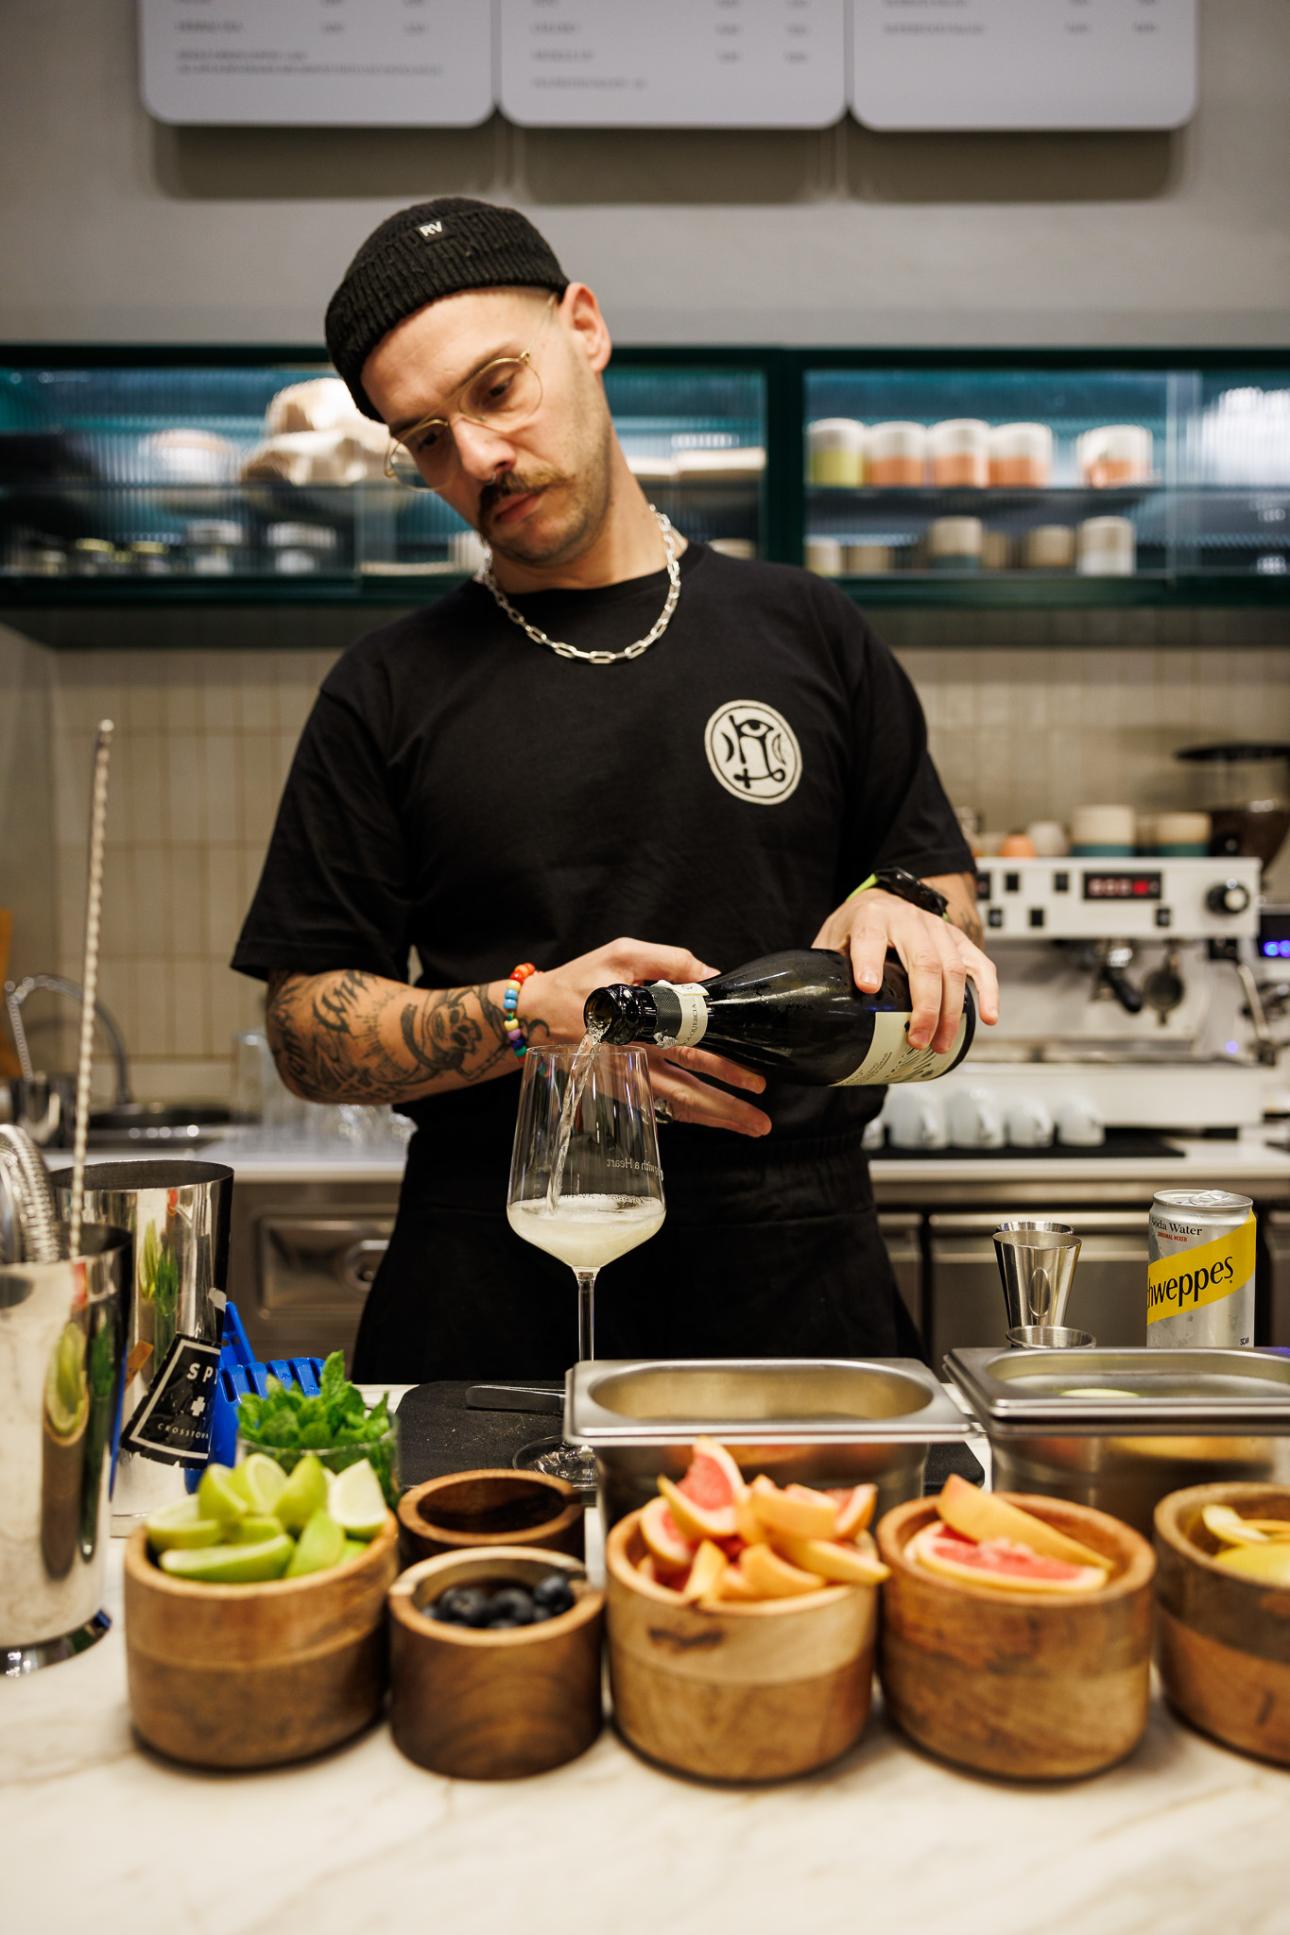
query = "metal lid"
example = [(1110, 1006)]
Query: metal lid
[(1139, 1390)]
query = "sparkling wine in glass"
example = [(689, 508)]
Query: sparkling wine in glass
[(594, 1105)]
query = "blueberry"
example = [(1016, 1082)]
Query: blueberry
[(512, 1606), (553, 1593), (461, 1606)]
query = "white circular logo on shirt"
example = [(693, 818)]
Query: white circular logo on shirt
[(753, 751)]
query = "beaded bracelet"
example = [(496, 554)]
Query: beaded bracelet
[(510, 1002)]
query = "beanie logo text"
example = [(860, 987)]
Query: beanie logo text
[(430, 228)]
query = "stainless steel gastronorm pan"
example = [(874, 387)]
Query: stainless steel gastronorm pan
[(809, 1421), (1186, 1417)]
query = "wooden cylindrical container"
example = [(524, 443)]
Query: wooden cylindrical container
[(757, 1692), (1039, 1687), (489, 1508), (483, 1705), (1222, 1641), (250, 1676)]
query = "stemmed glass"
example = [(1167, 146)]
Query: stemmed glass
[(606, 1197)]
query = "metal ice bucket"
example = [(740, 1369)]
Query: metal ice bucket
[(178, 1213), (62, 1327)]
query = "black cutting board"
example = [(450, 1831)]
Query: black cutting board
[(439, 1433)]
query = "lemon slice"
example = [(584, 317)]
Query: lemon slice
[(357, 1502), (181, 1527), (232, 1565), (1228, 1525), (1268, 1562), (260, 1480), (253, 1529), (321, 1545), (304, 1493), (219, 1497)]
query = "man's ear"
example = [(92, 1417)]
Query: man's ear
[(582, 315)]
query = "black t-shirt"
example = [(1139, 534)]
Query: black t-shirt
[(461, 791)]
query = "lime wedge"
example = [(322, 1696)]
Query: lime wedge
[(181, 1527), (321, 1545), (254, 1529), (355, 1548), (304, 1493), (1230, 1527), (219, 1497), (260, 1480), (357, 1501), (231, 1565)]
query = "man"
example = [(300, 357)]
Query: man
[(568, 750)]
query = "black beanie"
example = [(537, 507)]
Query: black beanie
[(434, 249)]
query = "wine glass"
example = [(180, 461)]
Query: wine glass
[(591, 1202)]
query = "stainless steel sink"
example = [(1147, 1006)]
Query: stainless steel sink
[(189, 1124)]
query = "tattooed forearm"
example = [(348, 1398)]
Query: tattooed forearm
[(348, 1036)]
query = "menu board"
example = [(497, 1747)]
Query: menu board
[(1025, 64), (356, 63), (672, 63)]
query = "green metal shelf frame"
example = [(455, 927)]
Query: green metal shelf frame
[(784, 490)]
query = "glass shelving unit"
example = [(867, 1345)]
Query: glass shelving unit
[(154, 475), (146, 477)]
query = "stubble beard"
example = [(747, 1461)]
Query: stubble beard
[(588, 492)]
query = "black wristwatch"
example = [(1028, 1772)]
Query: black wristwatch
[(905, 886)]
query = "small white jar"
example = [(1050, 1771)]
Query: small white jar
[(1021, 456), (1107, 548), (835, 448), (897, 455), (1050, 547), (959, 454), (825, 556), (1115, 453)]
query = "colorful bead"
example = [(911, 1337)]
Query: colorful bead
[(512, 1026)]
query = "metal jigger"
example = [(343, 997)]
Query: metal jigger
[(1037, 1268)]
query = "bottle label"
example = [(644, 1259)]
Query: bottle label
[(693, 1025), (891, 1059)]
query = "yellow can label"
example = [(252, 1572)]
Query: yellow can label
[(1190, 1279)]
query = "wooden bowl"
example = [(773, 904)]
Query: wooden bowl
[(750, 1693), (1038, 1688), (250, 1676), (489, 1508), (1223, 1642), (482, 1705)]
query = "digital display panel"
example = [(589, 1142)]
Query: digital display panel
[(1122, 886)]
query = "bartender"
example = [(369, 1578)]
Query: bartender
[(569, 748)]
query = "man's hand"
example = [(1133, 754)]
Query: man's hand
[(551, 1007), (938, 958)]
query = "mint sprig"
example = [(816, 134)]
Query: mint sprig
[(286, 1423)]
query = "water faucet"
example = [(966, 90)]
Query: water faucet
[(16, 992)]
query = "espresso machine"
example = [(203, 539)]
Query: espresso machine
[(1131, 999)]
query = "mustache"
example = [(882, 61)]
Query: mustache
[(512, 485)]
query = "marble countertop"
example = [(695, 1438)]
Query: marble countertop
[(100, 1833)]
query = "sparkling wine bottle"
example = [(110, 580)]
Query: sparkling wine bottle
[(798, 1015)]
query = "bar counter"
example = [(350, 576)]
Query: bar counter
[(101, 1834)]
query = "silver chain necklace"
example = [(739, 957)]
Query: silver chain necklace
[(484, 576)]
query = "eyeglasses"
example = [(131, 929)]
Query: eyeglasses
[(501, 396)]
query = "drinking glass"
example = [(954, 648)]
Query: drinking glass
[(591, 1202)]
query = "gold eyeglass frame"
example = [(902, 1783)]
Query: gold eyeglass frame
[(445, 423)]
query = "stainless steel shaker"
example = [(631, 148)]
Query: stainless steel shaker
[(177, 1212), (62, 1325), (1036, 1259)]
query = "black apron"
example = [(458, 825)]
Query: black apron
[(768, 1253)]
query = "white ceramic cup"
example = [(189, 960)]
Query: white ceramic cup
[(975, 1119), (914, 1120), (1030, 1123), (1079, 1122)]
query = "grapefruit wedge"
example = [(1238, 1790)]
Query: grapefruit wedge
[(774, 1578), (855, 1509), (709, 1564), (986, 1516), (664, 1537), (1003, 1565), (843, 1565), (796, 1510), (698, 1521)]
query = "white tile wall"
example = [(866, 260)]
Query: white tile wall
[(1029, 715)]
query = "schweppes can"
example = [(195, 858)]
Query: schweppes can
[(1200, 1277)]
